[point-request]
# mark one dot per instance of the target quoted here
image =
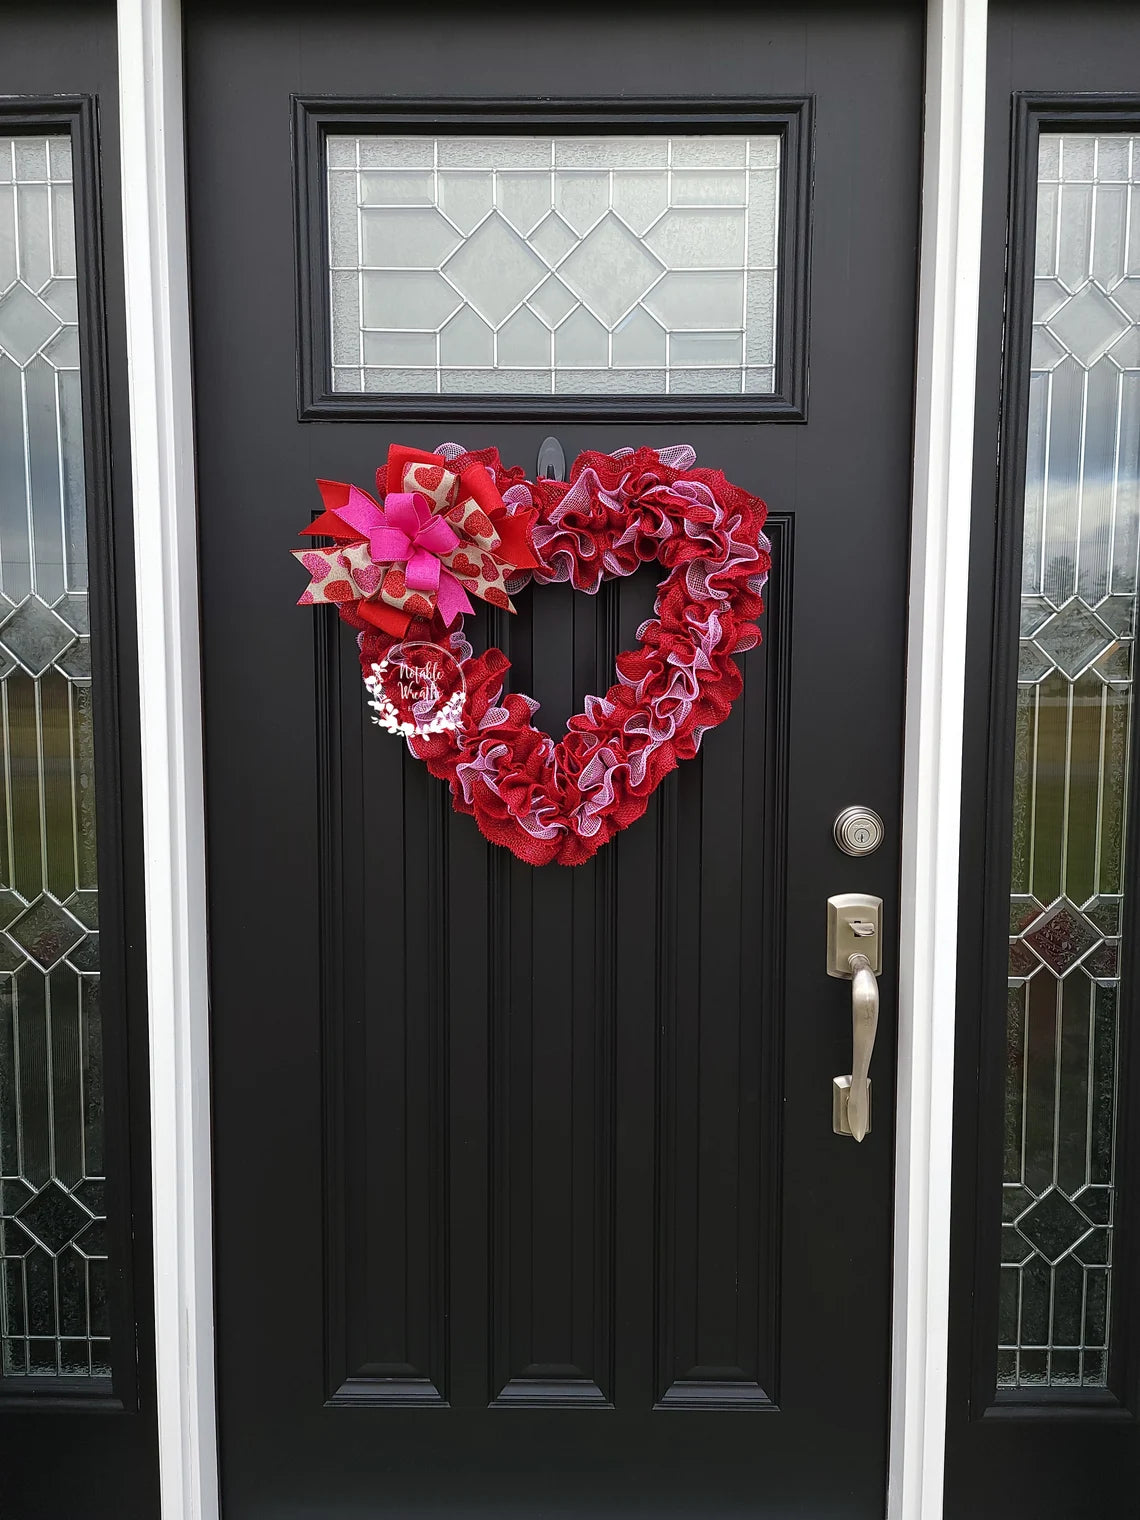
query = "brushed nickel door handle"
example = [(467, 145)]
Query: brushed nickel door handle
[(854, 952), (864, 1025)]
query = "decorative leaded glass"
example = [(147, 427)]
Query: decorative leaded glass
[(53, 1264), (538, 266), (1073, 732)]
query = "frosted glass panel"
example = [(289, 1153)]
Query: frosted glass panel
[(1073, 735), (53, 1254), (552, 265)]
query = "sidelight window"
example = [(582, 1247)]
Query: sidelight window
[(1074, 732), (53, 1255)]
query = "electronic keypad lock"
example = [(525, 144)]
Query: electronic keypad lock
[(854, 951)]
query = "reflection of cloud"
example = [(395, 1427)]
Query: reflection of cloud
[(1082, 536)]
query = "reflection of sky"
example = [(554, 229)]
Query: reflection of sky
[(1082, 485)]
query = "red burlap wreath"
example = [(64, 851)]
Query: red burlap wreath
[(560, 802)]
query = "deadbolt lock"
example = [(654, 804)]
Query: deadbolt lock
[(858, 831)]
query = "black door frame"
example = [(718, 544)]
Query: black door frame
[(90, 1443), (1054, 1450)]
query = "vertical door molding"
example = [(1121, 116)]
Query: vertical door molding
[(949, 269), (166, 569)]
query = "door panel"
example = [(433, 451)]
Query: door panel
[(546, 970), (527, 1196)]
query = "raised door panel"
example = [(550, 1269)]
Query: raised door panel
[(480, 1012)]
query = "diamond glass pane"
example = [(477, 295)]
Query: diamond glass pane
[(53, 1260), (1073, 734), (540, 266)]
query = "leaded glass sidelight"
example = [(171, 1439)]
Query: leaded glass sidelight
[(53, 1288), (553, 266), (1073, 733)]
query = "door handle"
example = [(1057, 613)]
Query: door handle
[(864, 1024), (854, 952)]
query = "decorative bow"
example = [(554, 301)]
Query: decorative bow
[(437, 535)]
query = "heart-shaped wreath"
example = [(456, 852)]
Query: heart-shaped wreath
[(453, 522)]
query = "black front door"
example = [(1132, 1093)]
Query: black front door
[(528, 1199)]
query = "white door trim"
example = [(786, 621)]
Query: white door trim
[(166, 569), (174, 841), (949, 266)]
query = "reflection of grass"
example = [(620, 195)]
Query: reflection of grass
[(47, 788), (47, 736), (1070, 787)]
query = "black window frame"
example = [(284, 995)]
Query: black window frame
[(987, 853), (314, 118), (117, 783)]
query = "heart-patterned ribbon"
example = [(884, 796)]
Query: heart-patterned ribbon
[(436, 535)]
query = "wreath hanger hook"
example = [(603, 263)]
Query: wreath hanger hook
[(551, 460)]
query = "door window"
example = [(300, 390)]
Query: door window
[(550, 266)]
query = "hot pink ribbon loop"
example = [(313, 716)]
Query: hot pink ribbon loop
[(422, 546), (405, 533), (360, 511), (428, 537), (422, 571)]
